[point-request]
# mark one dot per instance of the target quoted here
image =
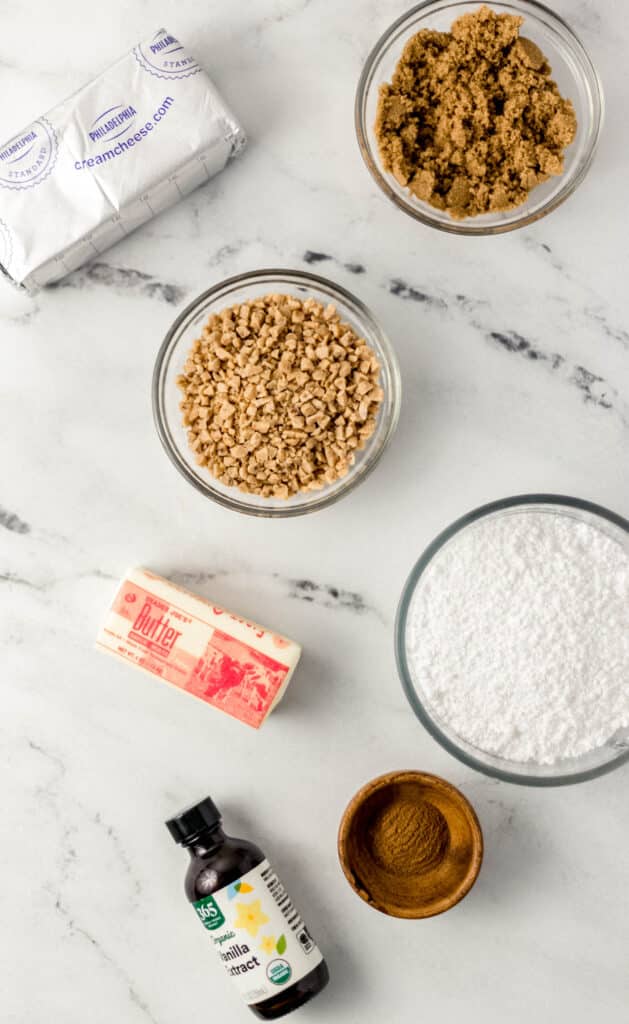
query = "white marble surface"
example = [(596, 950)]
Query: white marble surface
[(95, 756)]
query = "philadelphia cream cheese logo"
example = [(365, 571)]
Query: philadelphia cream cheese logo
[(27, 159), (164, 57), (119, 129), (112, 123)]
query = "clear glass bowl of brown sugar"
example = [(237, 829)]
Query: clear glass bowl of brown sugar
[(572, 70)]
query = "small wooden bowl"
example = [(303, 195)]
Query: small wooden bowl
[(442, 880)]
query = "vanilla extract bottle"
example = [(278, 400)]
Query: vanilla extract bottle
[(258, 935)]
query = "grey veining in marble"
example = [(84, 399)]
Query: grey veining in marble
[(123, 279), (514, 354)]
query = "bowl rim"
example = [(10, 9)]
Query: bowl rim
[(467, 227), (430, 780), (399, 633), (324, 498)]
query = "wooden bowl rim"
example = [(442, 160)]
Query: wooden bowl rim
[(435, 782)]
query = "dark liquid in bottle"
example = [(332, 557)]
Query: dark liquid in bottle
[(217, 861)]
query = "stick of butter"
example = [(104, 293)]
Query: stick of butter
[(235, 665)]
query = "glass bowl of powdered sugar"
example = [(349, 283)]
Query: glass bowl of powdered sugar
[(512, 639)]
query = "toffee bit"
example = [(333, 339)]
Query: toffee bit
[(279, 405)]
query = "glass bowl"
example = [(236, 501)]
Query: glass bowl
[(587, 766), (572, 69), (174, 352)]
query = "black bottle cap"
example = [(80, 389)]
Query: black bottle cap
[(188, 824)]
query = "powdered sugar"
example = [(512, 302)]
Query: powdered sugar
[(518, 636)]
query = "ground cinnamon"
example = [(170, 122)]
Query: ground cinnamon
[(408, 837), (472, 120), (410, 844)]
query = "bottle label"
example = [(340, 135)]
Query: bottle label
[(261, 939)]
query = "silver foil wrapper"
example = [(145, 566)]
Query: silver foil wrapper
[(129, 144)]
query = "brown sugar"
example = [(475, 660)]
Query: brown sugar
[(472, 120)]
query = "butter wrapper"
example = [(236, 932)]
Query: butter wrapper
[(129, 144), (237, 666)]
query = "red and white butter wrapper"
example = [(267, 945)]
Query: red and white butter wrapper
[(235, 665)]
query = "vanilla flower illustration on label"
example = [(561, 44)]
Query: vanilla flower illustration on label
[(250, 917), (259, 936), (268, 944)]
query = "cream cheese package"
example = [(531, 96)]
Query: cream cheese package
[(129, 144), (237, 666)]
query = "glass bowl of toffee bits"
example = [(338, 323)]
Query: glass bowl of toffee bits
[(275, 393), (478, 119)]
